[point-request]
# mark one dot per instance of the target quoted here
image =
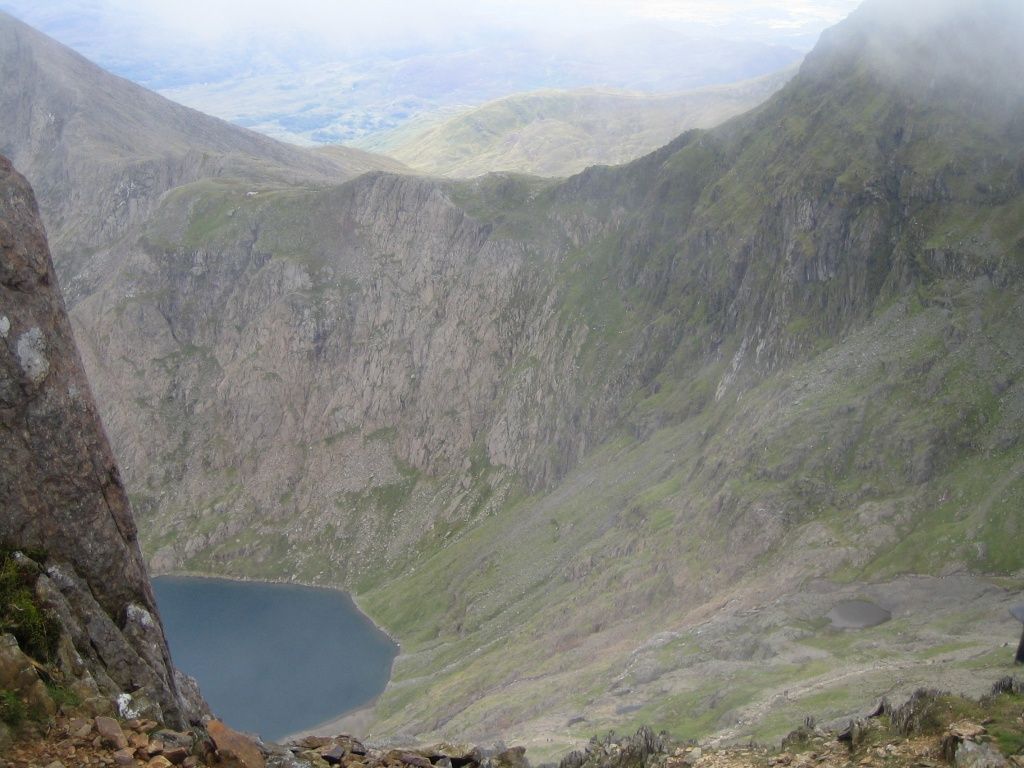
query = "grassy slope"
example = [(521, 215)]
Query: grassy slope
[(646, 536), (557, 133), (813, 314), (893, 449)]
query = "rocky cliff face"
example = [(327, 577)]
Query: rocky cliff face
[(63, 495), (358, 341), (395, 354)]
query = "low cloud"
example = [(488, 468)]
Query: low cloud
[(353, 27)]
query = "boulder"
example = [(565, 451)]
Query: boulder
[(515, 757), (176, 755), (234, 749), (410, 758), (971, 754), (79, 728), (15, 668), (332, 753), (110, 733), (173, 739), (966, 730)]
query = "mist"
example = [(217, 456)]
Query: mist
[(931, 48), (162, 44), (321, 71)]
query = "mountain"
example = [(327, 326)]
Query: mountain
[(609, 450), (100, 150), (559, 133), (83, 560)]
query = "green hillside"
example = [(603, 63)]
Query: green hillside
[(558, 133), (817, 307)]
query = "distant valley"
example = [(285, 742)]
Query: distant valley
[(601, 450), (356, 100)]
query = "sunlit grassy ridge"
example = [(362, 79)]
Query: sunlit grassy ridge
[(558, 133)]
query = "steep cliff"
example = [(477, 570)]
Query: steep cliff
[(63, 495)]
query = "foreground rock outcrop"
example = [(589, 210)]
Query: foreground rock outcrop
[(62, 493), (930, 730)]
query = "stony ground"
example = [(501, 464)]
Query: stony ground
[(930, 730)]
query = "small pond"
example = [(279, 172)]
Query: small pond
[(857, 614)]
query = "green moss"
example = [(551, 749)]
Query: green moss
[(63, 696), (20, 612), (12, 709)]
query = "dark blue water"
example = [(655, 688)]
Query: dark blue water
[(273, 659)]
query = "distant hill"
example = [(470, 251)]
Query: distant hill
[(99, 149), (559, 133), (356, 99)]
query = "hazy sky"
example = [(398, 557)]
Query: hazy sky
[(120, 32), (338, 70)]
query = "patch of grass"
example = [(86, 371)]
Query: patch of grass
[(933, 714), (63, 696), (20, 613), (12, 709)]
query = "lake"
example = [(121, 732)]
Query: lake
[(273, 659)]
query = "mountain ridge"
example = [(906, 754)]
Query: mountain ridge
[(559, 133), (124, 144)]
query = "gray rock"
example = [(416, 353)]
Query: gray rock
[(971, 754), (174, 739), (514, 757), (332, 753), (410, 758), (16, 670), (192, 700), (32, 355)]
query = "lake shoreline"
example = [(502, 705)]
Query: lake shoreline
[(351, 723), (352, 719), (293, 582)]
